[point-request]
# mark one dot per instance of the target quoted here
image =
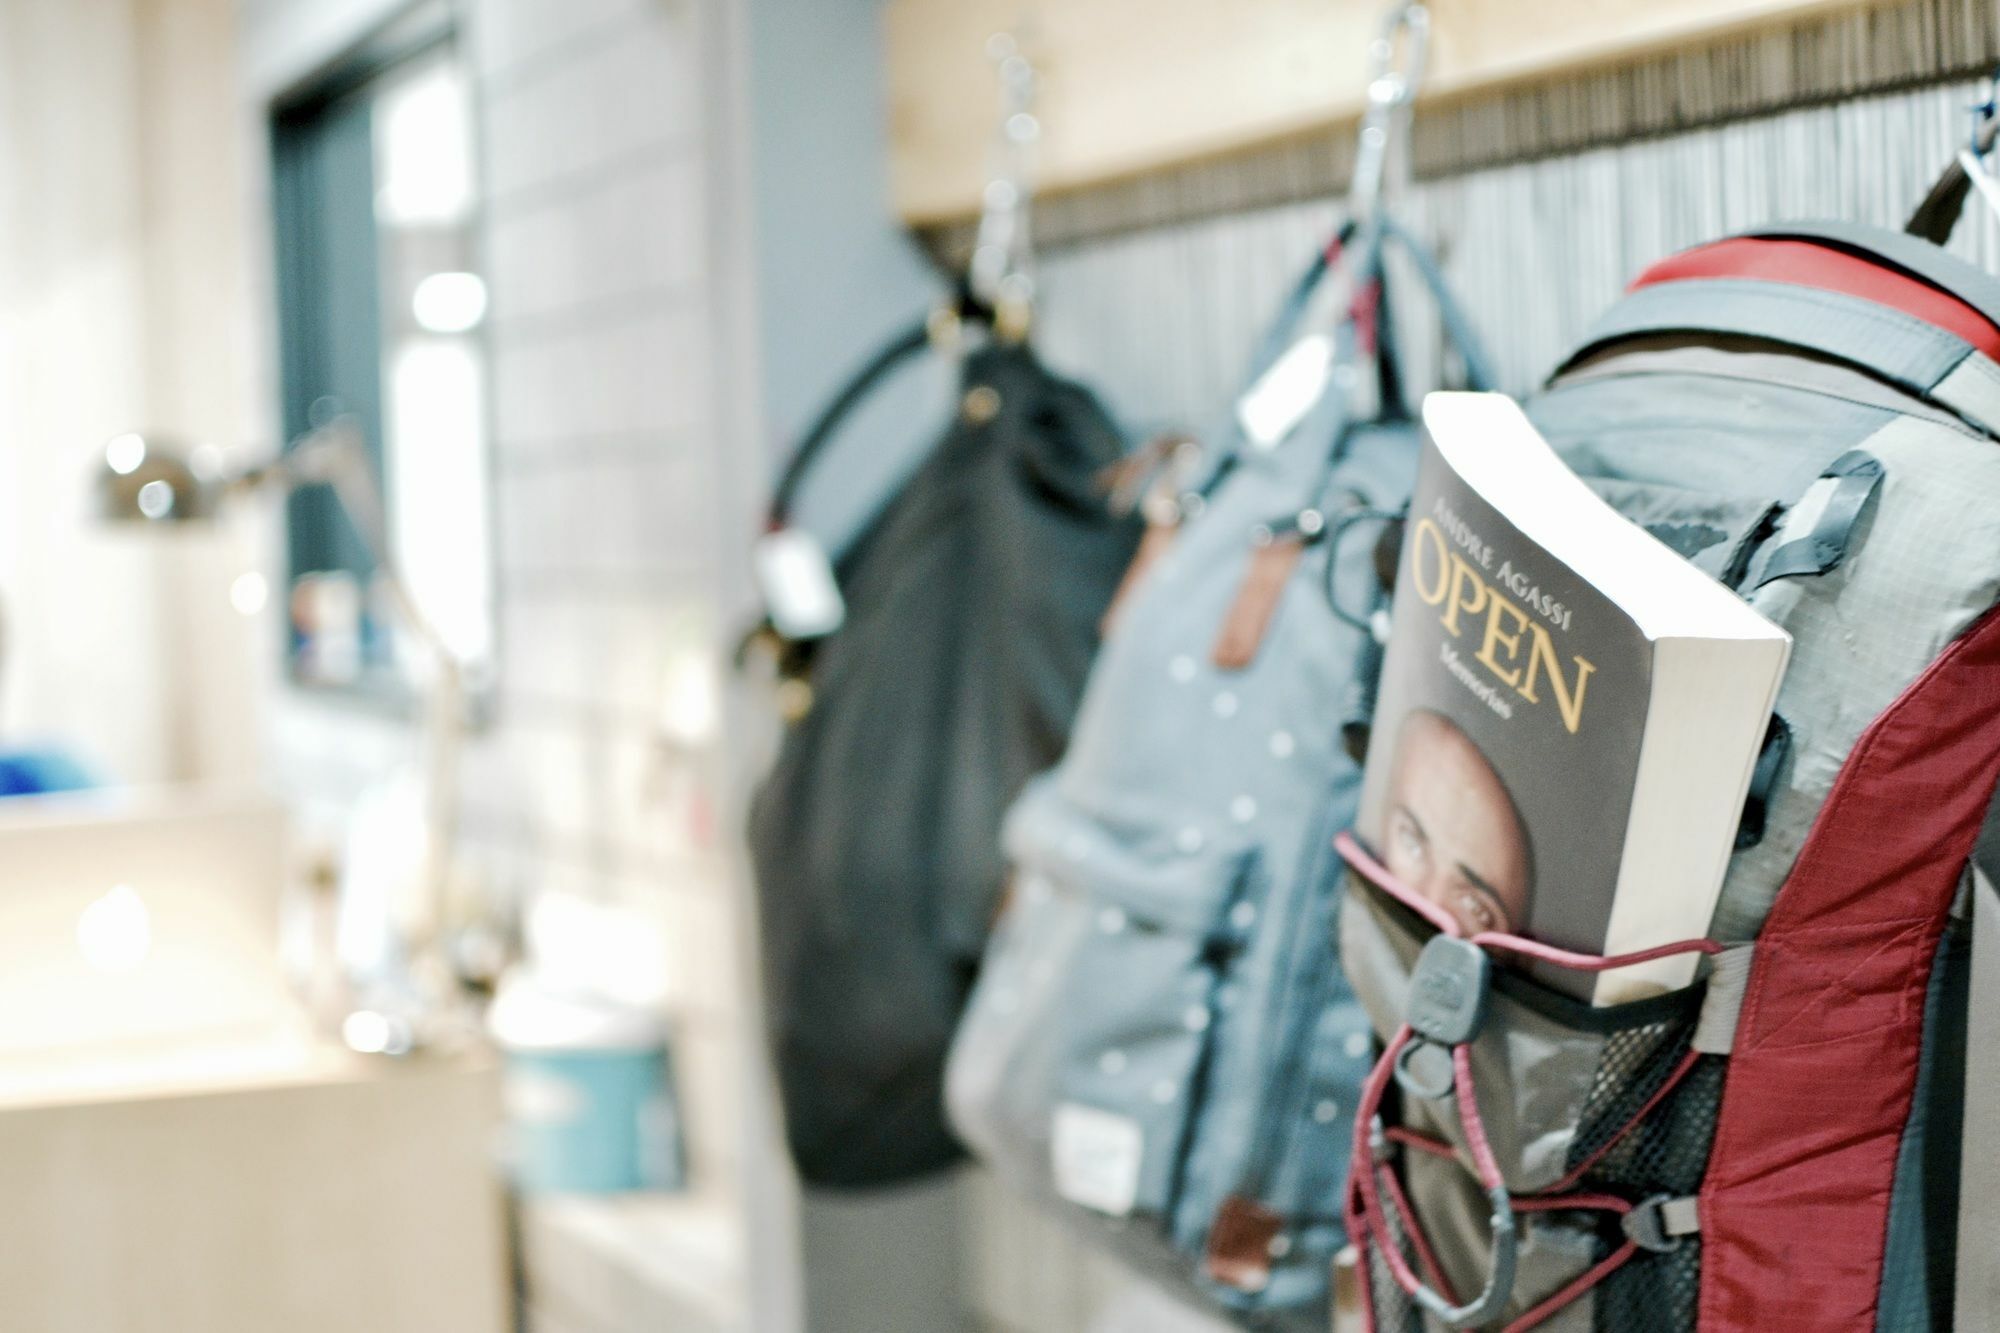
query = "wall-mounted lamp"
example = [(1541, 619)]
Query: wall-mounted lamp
[(149, 479)]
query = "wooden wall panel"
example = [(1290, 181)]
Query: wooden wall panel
[(1131, 86)]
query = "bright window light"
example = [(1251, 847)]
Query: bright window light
[(423, 151), (438, 489), (449, 302)]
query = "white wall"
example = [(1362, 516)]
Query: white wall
[(118, 238)]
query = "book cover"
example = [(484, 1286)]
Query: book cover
[(1568, 714)]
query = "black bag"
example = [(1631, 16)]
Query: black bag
[(972, 607)]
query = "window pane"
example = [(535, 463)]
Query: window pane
[(382, 308)]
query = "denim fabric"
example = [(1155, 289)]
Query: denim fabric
[(1164, 989)]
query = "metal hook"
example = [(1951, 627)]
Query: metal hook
[(1001, 273), (1390, 92)]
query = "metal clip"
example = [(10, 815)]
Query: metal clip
[(1002, 257), (1390, 92)]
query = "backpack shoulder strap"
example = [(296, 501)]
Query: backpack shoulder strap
[(1977, 1293), (1931, 362), (1914, 255)]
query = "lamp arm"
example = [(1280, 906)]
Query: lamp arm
[(337, 455)]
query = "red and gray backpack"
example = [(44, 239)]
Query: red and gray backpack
[(1802, 1140)]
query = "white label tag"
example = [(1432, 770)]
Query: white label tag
[(1097, 1158), (1282, 395), (796, 577)]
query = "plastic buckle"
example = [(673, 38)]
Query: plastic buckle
[(1646, 1226), (1448, 987)]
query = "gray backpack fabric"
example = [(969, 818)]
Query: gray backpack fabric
[(1156, 1046), (1776, 1146)]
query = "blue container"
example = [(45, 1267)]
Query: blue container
[(589, 1094)]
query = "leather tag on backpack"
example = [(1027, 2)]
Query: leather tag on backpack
[(1239, 1244), (1249, 617), (1346, 1288), (1152, 545)]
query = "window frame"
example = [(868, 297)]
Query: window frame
[(290, 116)]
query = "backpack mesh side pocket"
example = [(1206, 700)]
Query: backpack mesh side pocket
[(1610, 1105)]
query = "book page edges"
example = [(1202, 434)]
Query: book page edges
[(1711, 702)]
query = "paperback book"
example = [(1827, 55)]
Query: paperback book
[(1569, 712)]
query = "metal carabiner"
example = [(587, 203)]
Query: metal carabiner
[(1002, 270), (1390, 92)]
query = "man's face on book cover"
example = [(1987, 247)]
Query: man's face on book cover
[(1452, 833)]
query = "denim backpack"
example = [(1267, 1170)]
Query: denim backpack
[(1157, 1045), (972, 602), (1809, 414)]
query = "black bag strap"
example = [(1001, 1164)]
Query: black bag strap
[(899, 349), (1938, 214), (1458, 332)]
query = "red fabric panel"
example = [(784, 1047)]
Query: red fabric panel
[(1796, 1205), (1810, 264)]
